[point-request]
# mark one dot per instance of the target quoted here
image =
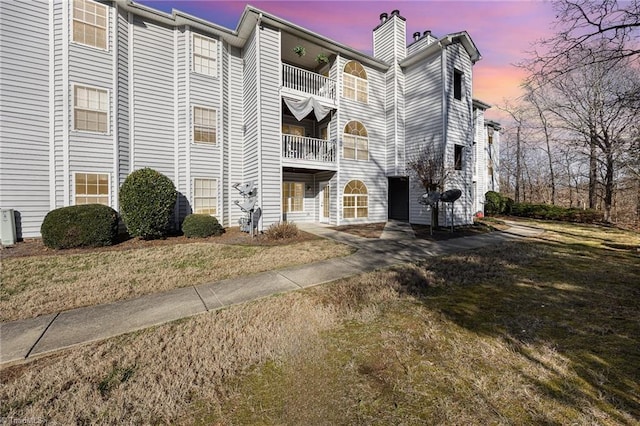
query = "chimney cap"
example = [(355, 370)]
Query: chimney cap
[(416, 35), (395, 12)]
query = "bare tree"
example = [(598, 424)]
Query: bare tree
[(428, 168), (535, 97), (593, 101), (584, 30)]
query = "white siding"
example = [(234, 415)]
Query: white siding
[(153, 97), (423, 126), (269, 108), (250, 104), (122, 120), (459, 131), (24, 112), (91, 151), (371, 172), (204, 159), (235, 141)]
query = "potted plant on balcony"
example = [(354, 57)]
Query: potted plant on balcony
[(299, 50), (322, 58)]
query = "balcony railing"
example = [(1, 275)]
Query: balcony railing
[(308, 82), (308, 149)]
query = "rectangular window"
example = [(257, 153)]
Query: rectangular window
[(292, 197), (90, 23), (205, 55), (91, 188), (457, 84), (205, 196), (490, 137), (457, 157), (355, 88), (204, 125), (289, 129), (355, 147), (90, 109)]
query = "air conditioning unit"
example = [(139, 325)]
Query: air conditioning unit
[(7, 227)]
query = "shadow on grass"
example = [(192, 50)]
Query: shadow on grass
[(577, 301)]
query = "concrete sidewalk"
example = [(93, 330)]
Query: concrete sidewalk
[(29, 338)]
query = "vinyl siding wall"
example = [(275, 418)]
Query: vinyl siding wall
[(92, 152), (270, 110), (205, 159), (459, 132), (235, 135), (153, 127), (372, 172), (24, 113), (250, 108), (423, 123), (122, 120)]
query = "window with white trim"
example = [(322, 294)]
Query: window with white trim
[(355, 141), (354, 82), (355, 200), (458, 77), (205, 196), (91, 188), (90, 23), (292, 197), (205, 55), (290, 129), (90, 109), (205, 125)]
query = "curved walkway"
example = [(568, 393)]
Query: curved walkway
[(29, 338)]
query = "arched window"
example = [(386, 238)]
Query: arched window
[(355, 141), (355, 200), (355, 85)]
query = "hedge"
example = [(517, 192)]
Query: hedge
[(551, 212), (496, 203), (147, 198), (201, 226), (89, 225)]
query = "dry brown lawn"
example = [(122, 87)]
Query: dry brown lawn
[(37, 285), (544, 331)]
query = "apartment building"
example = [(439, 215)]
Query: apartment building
[(93, 90)]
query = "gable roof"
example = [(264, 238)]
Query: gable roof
[(251, 16), (459, 37)]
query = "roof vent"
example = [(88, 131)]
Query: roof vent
[(416, 36), (383, 18)]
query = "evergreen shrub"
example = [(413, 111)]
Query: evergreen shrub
[(201, 226), (88, 225), (147, 198)]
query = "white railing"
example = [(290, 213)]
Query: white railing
[(308, 82), (311, 149)]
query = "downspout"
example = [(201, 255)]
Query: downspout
[(395, 103), (259, 117), (443, 105)]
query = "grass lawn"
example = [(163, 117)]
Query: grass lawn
[(36, 285), (544, 331)]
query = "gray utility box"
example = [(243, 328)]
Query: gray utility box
[(7, 227)]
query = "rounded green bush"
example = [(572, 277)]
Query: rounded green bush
[(89, 225), (147, 198), (201, 226)]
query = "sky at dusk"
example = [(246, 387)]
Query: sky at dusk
[(503, 31)]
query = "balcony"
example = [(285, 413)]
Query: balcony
[(298, 80), (308, 153)]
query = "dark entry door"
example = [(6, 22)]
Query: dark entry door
[(399, 198)]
